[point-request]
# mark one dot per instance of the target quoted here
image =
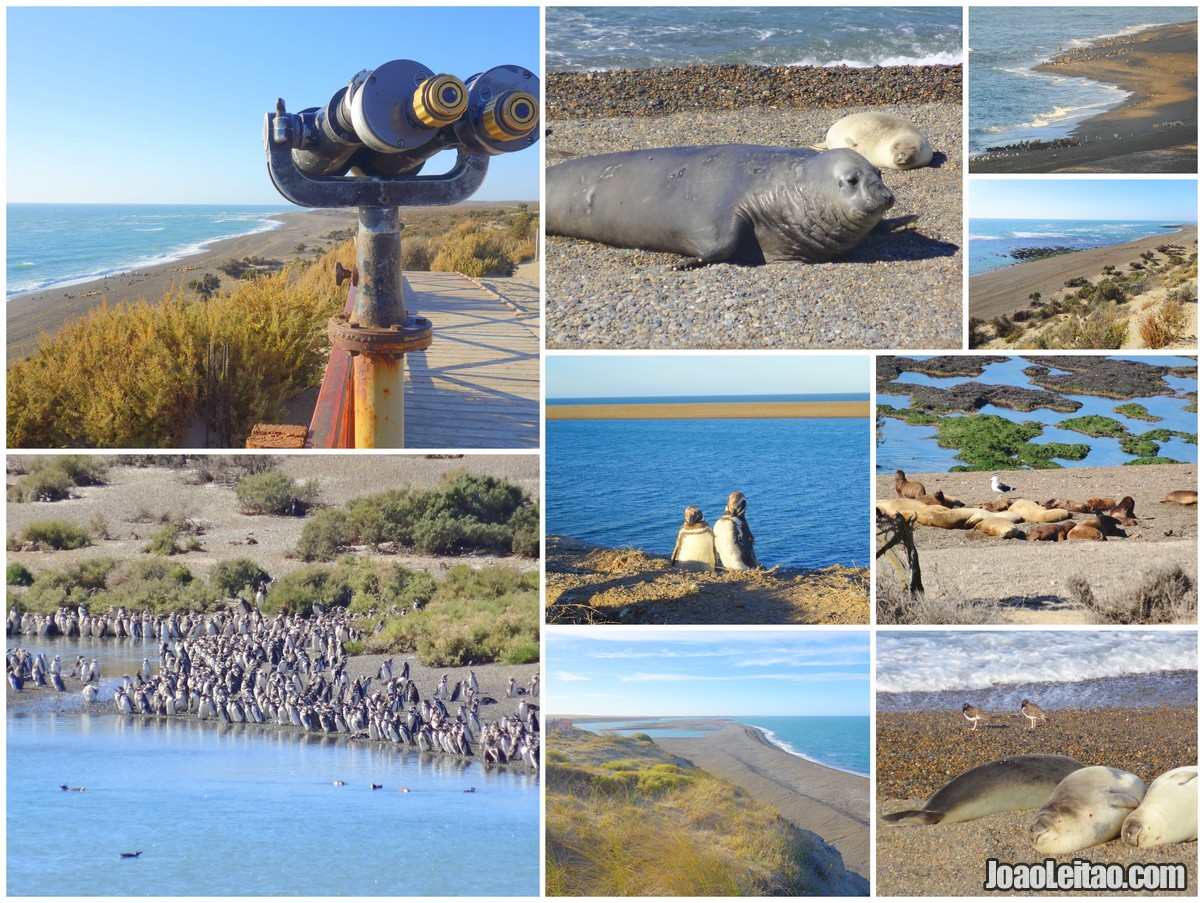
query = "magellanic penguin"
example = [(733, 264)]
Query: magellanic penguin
[(695, 549), (733, 538)]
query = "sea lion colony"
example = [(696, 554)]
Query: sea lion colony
[(244, 667), (1051, 521)]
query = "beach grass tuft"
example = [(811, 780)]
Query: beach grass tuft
[(625, 818)]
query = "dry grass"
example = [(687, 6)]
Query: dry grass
[(1165, 595), (893, 605), (1165, 325), (625, 818)]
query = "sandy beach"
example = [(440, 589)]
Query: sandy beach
[(32, 315), (896, 289), (917, 752), (833, 804), (708, 411), (1006, 290), (1030, 580), (1154, 130)]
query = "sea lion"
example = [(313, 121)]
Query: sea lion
[(1050, 532), (906, 507), (908, 489), (733, 538), (1005, 785), (695, 549), (1038, 514), (1123, 511), (736, 203), (1169, 812), (1087, 532), (1087, 808), (1182, 497), (938, 498), (1000, 527), (886, 140), (997, 505), (1068, 505)]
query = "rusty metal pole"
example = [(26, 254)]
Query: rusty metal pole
[(379, 332)]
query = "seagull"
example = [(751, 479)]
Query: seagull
[(1001, 488), (973, 714), (1032, 712)]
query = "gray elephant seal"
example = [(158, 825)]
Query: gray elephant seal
[(736, 203), (1087, 808), (886, 140), (1169, 812), (1005, 785)]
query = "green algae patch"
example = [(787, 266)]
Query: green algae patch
[(991, 442), (1095, 426), (1136, 411), (1158, 460)]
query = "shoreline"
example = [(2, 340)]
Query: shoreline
[(710, 410), (918, 752), (832, 803), (1154, 129), (32, 315), (1007, 289)]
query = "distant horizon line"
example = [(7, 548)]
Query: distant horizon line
[(701, 717), (1087, 219), (285, 204)]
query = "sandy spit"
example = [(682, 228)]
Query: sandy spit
[(833, 804)]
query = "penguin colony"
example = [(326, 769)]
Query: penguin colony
[(729, 545), (244, 667)]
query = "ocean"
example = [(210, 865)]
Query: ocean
[(837, 741), (238, 810), (1009, 102), (582, 39), (53, 245), (914, 448), (993, 240), (710, 399), (995, 669), (625, 483)]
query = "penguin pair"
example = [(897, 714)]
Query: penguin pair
[(729, 545)]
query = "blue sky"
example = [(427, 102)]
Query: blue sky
[(166, 105), (1167, 200), (639, 375), (631, 671)]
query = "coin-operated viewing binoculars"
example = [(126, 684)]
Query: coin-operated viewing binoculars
[(366, 148)]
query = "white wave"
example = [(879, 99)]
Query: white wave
[(790, 750), (1036, 235), (927, 662)]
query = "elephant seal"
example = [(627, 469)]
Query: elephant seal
[(1087, 808), (886, 140), (695, 549), (1169, 813), (1005, 785), (736, 203)]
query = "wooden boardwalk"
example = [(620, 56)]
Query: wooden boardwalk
[(477, 386)]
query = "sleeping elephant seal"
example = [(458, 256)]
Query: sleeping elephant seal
[(735, 203), (1169, 813), (1005, 785), (1086, 809), (886, 140)]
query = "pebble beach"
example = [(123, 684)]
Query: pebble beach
[(899, 289)]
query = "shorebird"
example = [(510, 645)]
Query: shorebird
[(1032, 712), (1001, 488), (973, 714)]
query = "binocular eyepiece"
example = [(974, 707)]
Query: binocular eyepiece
[(389, 121)]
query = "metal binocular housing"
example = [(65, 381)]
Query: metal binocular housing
[(387, 122)]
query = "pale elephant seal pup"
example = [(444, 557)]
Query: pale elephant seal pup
[(1005, 785), (1169, 813), (734, 203), (695, 549), (886, 140), (1086, 809)]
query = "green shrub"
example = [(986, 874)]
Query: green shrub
[(19, 575), (275, 493), (326, 535), (231, 577), (51, 479), (473, 251), (51, 535), (167, 542), (525, 524)]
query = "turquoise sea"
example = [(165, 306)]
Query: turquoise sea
[(993, 240), (837, 741), (1009, 102), (51, 245)]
